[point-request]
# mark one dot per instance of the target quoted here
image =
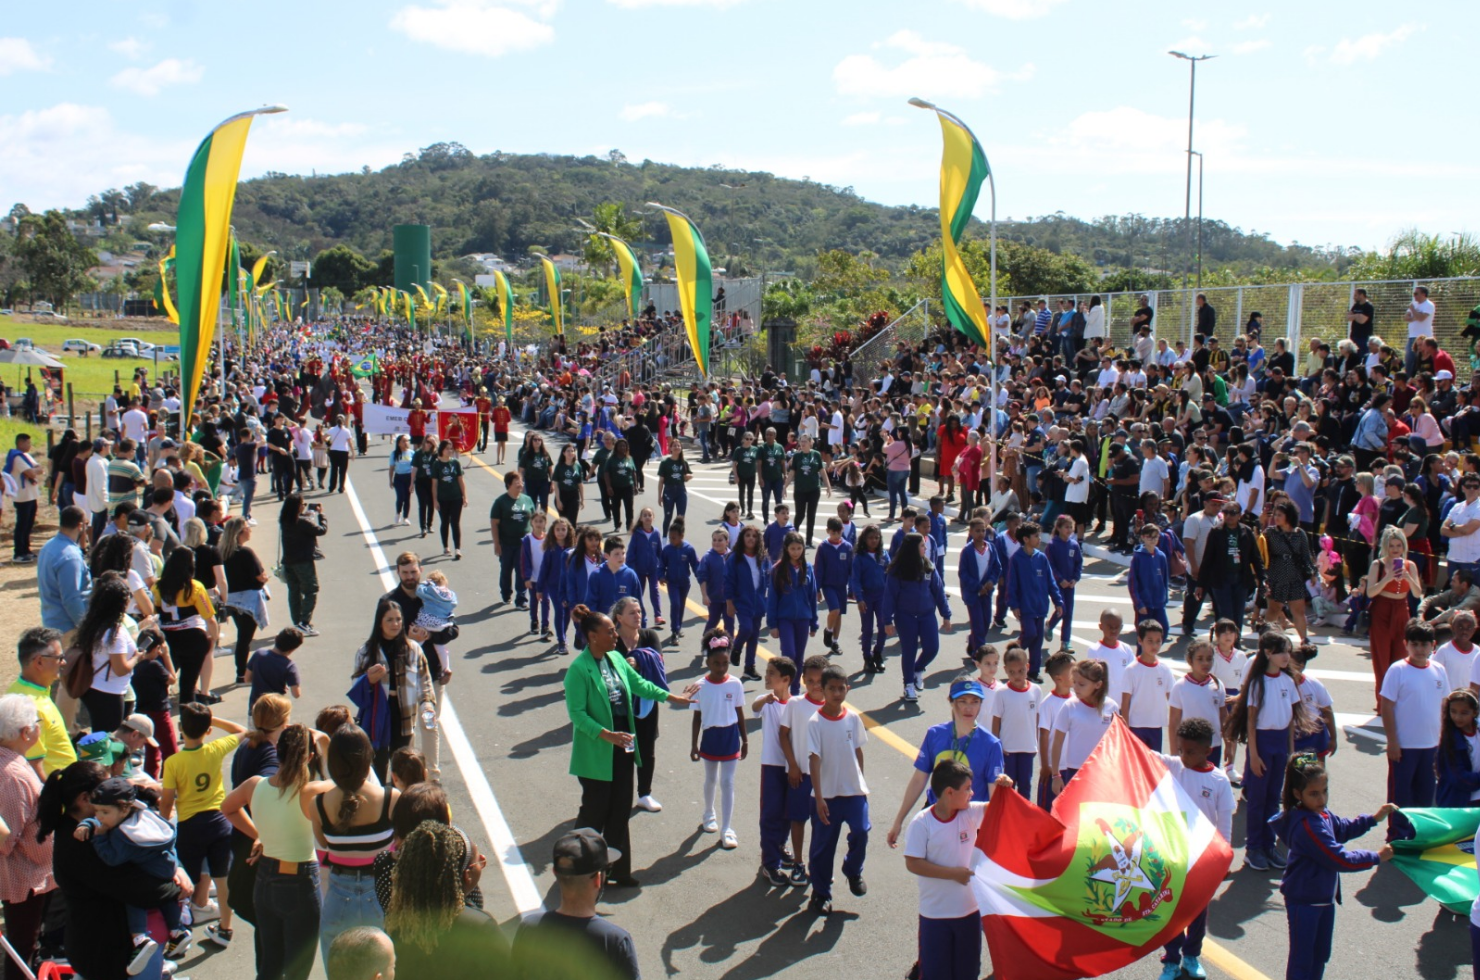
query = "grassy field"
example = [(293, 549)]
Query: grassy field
[(92, 377)]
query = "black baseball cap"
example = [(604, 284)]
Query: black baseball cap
[(583, 852)]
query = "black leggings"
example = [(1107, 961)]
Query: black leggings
[(188, 649), (621, 497), (246, 630), (424, 509), (451, 511), (105, 711), (746, 485), (806, 510), (338, 469), (646, 730)]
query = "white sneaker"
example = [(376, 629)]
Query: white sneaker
[(649, 804), (728, 841), (203, 913), (711, 825), (251, 522), (909, 693)]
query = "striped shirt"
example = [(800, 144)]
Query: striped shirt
[(356, 847)]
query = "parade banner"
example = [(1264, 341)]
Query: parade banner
[(552, 286), (631, 272), (460, 427), (505, 305), (203, 227), (695, 282), (386, 420), (1125, 861), (963, 169), (465, 305), (162, 300)]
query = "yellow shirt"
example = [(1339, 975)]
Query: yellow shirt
[(196, 776), (55, 748)]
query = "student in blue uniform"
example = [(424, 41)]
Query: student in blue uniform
[(1149, 577), (1067, 561), (613, 580), (531, 567), (713, 577), (913, 594), (938, 523), (791, 602), (833, 567), (580, 567), (777, 531), (980, 569), (550, 583), (748, 578), (645, 557), (850, 530), (677, 560), (906, 527), (866, 586), (1005, 541), (1315, 837), (1030, 587)]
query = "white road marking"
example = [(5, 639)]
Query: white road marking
[(516, 872)]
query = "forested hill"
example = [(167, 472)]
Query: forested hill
[(504, 203)]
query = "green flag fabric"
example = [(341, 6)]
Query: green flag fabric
[(1441, 856)]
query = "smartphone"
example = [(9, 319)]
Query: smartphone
[(1397, 566)]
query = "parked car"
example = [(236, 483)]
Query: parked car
[(47, 315), (120, 350), (25, 343), (81, 346)]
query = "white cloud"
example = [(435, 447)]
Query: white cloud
[(16, 54), (1193, 45), (636, 4), (1369, 46), (1252, 22), (645, 110), (1013, 9), (478, 27), (934, 69), (152, 81), (1249, 47), (130, 47), (1130, 140)]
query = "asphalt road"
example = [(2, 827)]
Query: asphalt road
[(703, 911)]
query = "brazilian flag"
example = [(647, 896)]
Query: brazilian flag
[(366, 366), (1440, 857)]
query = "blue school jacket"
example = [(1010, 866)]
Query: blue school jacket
[(833, 565), (798, 601), (574, 580), (1457, 780), (938, 531), (749, 601), (867, 578), (898, 540), (773, 536), (645, 551), (972, 579), (1066, 559), (1316, 856), (1148, 578), (677, 562), (1030, 585), (552, 569), (605, 587), (850, 534), (902, 598), (711, 573)]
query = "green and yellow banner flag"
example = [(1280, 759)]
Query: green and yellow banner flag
[(695, 282), (552, 286), (202, 233), (506, 307), (630, 272), (366, 366), (162, 300), (963, 168), (1440, 857), (441, 292), (465, 306), (233, 275)]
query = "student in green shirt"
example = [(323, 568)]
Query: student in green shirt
[(509, 521), (570, 490), (772, 470), (452, 494), (421, 473), (673, 477), (619, 476), (744, 463), (598, 466), (808, 476)]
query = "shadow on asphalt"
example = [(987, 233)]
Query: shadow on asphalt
[(1387, 892), (512, 708), (1441, 949), (1249, 895)]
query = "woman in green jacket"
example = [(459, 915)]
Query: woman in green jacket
[(599, 687)]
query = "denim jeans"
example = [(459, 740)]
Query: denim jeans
[(897, 480), (675, 503), (288, 913), (246, 489), (349, 902), (769, 489)]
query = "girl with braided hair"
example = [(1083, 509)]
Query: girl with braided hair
[(436, 931)]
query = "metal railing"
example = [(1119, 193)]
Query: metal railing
[(1294, 311), (911, 326)]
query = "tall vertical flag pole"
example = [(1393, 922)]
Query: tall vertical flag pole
[(202, 231), (695, 282), (963, 170)]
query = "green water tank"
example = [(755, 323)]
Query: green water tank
[(413, 247)]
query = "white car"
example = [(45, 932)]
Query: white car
[(82, 346)]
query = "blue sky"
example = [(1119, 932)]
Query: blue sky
[(1320, 123)]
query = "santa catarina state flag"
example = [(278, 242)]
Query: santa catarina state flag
[(1125, 861), (460, 428)]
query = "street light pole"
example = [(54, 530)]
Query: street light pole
[(1192, 61), (1198, 154)]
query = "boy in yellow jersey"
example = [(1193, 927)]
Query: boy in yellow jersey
[(194, 781)]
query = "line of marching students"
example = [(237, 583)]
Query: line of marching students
[(1002, 730)]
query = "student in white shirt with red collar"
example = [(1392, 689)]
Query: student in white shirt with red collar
[(1412, 699)]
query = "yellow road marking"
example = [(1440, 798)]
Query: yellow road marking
[(1223, 958)]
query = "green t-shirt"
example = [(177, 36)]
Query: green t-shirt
[(445, 474), (673, 470), (745, 459), (599, 458), (536, 468), (421, 463), (622, 472), (513, 518), (568, 476), (806, 469), (773, 460)]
